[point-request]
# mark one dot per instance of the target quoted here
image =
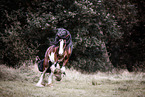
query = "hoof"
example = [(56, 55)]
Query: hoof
[(39, 85), (49, 85)]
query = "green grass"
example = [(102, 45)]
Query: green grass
[(21, 83)]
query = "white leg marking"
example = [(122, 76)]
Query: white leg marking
[(51, 56), (63, 69), (52, 67), (39, 84), (61, 47), (58, 66), (50, 79)]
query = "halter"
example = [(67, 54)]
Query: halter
[(63, 37)]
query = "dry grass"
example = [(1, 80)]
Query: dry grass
[(21, 83)]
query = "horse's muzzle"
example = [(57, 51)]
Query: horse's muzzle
[(57, 74), (58, 77)]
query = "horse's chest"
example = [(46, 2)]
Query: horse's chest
[(60, 58)]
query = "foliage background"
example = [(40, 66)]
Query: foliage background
[(106, 34)]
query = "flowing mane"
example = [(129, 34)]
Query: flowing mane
[(62, 34)]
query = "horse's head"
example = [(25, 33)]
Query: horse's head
[(57, 71), (62, 46), (57, 74)]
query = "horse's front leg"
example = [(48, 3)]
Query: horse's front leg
[(63, 67), (50, 78), (39, 84), (66, 58)]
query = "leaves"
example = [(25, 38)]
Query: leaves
[(98, 27)]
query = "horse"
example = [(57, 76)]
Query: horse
[(54, 56)]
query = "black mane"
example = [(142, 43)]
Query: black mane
[(62, 34)]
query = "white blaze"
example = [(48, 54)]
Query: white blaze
[(61, 47)]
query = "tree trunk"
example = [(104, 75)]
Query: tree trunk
[(106, 59)]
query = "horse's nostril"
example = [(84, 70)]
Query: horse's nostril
[(57, 71), (58, 77)]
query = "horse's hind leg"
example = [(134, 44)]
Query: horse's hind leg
[(39, 84)]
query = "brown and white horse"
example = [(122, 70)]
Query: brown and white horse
[(55, 55)]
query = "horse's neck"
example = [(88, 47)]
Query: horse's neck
[(56, 51), (61, 56)]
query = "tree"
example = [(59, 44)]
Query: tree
[(129, 50), (103, 31)]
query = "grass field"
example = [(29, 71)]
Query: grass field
[(21, 83)]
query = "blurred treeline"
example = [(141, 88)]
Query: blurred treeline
[(106, 34)]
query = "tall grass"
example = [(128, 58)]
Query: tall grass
[(21, 83)]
